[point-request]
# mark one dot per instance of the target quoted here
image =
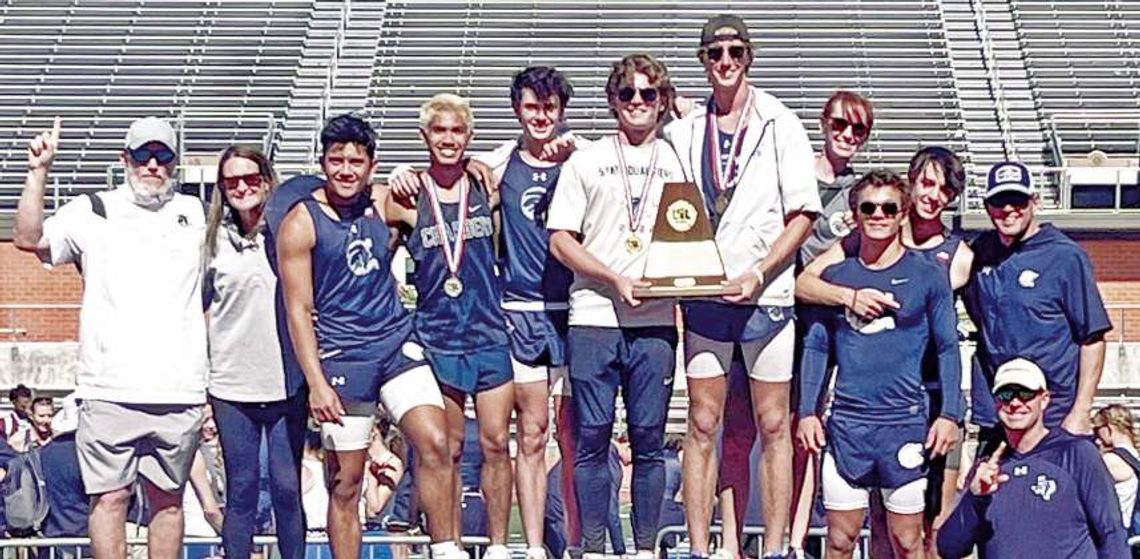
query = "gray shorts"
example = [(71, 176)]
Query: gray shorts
[(117, 442)]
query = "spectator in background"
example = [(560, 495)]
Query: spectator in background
[(1116, 435), (17, 420), (6, 454), (42, 411), (255, 402), (142, 335), (68, 505), (202, 507)]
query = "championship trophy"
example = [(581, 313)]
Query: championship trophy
[(683, 260)]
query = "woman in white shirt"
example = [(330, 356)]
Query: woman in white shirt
[(250, 388)]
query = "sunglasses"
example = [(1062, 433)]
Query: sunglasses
[(1008, 394), (890, 209), (839, 124), (1002, 199), (252, 180), (736, 52), (648, 95), (142, 155)]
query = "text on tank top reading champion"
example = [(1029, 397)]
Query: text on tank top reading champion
[(453, 254), (635, 207)]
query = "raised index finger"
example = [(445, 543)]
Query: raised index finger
[(55, 129), (996, 456)]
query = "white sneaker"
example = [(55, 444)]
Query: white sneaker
[(535, 553), (645, 554), (497, 551)]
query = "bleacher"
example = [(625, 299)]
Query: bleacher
[(1083, 58), (894, 52), (267, 71), (224, 69)]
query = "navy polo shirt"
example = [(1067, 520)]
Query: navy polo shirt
[(1038, 300)]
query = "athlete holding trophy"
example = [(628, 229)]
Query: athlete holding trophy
[(752, 160)]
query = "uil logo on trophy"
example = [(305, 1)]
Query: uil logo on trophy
[(683, 260)]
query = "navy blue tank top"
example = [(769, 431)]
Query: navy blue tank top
[(943, 255), (530, 273), (359, 315), (473, 320)]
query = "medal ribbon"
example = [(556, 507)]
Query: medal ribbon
[(635, 221), (453, 255), (722, 178)]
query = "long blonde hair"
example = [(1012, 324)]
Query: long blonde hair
[(1119, 418), (218, 203)]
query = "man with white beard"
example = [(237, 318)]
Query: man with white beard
[(142, 333)]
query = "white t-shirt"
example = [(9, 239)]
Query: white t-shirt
[(239, 289), (590, 199), (777, 179), (142, 333)]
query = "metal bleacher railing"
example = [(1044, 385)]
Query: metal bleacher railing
[(895, 52)]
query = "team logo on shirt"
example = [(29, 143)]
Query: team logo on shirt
[(530, 200), (872, 326), (910, 455), (1028, 279), (1044, 488), (359, 257), (681, 215), (1020, 471), (337, 381), (538, 176), (837, 223)]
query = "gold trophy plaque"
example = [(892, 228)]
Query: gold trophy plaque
[(683, 260)]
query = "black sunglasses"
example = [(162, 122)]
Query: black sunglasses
[(890, 209), (839, 124), (648, 95), (736, 52), (252, 179), (142, 155), (1003, 199), (1007, 394)]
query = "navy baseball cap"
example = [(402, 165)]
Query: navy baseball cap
[(1009, 176)]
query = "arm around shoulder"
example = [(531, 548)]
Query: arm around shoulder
[(812, 288)]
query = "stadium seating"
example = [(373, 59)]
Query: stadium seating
[(893, 52), (224, 69), (1083, 58)]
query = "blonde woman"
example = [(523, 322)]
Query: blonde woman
[(1116, 436)]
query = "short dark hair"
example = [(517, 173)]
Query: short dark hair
[(21, 391), (544, 81), (880, 178), (951, 166), (348, 129), (43, 400)]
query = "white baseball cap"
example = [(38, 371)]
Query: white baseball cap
[(151, 129), (1021, 372)]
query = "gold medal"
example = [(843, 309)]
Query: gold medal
[(453, 287), (721, 203), (633, 244)]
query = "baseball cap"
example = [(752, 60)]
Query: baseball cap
[(716, 23), (1021, 372), (1009, 176), (151, 129)]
